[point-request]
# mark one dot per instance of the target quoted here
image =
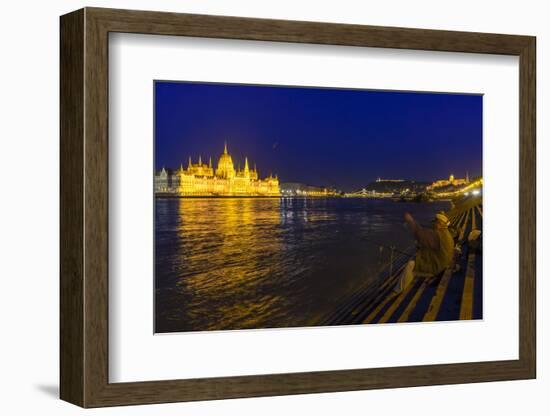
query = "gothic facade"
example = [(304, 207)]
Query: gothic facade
[(201, 179)]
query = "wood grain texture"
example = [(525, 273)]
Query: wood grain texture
[(96, 219), (84, 207), (71, 208), (162, 23), (527, 208)]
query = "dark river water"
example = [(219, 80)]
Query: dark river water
[(261, 263)]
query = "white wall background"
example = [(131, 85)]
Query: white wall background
[(29, 159)]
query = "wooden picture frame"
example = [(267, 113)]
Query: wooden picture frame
[(84, 207)]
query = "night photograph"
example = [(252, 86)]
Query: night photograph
[(283, 206)]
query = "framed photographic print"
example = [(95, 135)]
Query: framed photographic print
[(261, 207)]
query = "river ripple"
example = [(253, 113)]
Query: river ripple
[(238, 263)]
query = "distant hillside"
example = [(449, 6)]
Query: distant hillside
[(394, 186)]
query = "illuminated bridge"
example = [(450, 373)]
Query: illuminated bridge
[(363, 193)]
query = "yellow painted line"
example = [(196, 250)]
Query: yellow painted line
[(463, 228), (455, 218), (480, 211), (467, 304), (410, 307), (460, 218), (389, 312), (389, 281), (466, 217), (474, 226), (376, 310), (435, 304), (392, 278)]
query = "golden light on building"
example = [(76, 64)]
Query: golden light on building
[(201, 179), (452, 181), (472, 187)]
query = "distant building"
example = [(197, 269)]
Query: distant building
[(452, 181), (395, 186), (166, 181), (200, 179)]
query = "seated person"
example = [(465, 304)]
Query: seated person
[(434, 253)]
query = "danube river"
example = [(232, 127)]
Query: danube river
[(236, 263)]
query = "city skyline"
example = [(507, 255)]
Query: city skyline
[(326, 137)]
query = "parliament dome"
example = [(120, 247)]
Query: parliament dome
[(225, 165)]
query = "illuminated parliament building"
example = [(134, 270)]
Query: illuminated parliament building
[(201, 179)]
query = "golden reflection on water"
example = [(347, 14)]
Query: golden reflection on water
[(228, 243), (238, 263)]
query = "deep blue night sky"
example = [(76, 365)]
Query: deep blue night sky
[(331, 137)]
